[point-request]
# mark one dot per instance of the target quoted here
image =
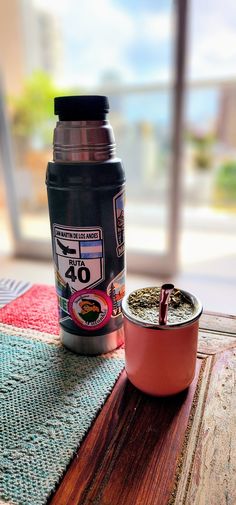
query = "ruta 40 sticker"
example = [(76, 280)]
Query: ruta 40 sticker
[(79, 257)]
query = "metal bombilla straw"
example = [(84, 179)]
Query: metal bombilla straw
[(166, 290)]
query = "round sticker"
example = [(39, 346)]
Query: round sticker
[(90, 309)]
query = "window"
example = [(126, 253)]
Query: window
[(126, 53)]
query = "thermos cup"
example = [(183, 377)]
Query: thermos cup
[(85, 183), (161, 355)]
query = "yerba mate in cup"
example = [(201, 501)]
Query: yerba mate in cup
[(160, 352)]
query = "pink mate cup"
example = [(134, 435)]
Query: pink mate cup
[(161, 358)]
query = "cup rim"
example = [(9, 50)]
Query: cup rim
[(141, 322)]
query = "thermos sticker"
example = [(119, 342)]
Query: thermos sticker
[(79, 258), (116, 291), (118, 207), (90, 308)]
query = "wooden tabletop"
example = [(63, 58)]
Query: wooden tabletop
[(179, 450)]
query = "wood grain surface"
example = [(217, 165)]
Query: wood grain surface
[(129, 456), (212, 342), (179, 450), (208, 475), (218, 322)]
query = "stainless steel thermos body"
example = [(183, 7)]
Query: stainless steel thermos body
[(85, 185)]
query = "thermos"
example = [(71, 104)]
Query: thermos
[(85, 183)]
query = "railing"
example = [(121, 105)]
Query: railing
[(161, 86)]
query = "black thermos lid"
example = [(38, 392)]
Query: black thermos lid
[(78, 108)]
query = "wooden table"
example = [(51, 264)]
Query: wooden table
[(177, 450)]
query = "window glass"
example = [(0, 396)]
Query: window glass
[(114, 47)]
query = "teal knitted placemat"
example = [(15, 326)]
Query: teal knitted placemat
[(49, 398)]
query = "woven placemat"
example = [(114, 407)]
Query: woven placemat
[(35, 309), (11, 289), (49, 397)]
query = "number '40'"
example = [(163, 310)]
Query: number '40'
[(82, 274)]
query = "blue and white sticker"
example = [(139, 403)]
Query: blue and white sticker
[(79, 257)]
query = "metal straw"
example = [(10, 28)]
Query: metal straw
[(166, 290)]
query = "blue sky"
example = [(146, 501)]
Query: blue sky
[(132, 40)]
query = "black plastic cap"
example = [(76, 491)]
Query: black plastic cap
[(79, 108)]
